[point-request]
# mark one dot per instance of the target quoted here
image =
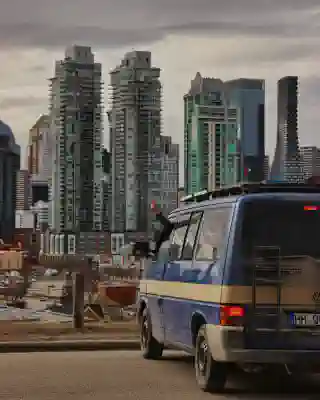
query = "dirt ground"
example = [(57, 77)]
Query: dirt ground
[(25, 331)]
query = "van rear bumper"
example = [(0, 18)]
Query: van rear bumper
[(290, 357), (227, 345)]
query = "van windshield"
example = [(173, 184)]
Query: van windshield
[(294, 226)]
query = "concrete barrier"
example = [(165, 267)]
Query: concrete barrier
[(68, 345)]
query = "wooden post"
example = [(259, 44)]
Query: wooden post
[(78, 301), (26, 273)]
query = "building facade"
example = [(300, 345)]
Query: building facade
[(135, 143), (180, 194), (24, 219), (311, 161), (224, 151), (266, 167), (39, 151), (106, 189), (41, 215), (9, 166), (76, 127), (211, 130), (248, 97), (40, 190), (23, 190), (287, 164), (88, 244), (169, 180)]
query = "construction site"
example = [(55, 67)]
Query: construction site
[(68, 285)]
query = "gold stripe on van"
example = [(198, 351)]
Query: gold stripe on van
[(231, 294), (290, 296), (182, 290)]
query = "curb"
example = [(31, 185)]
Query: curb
[(71, 345)]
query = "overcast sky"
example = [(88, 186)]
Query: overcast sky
[(224, 39)]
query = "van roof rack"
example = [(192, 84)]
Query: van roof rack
[(251, 188)]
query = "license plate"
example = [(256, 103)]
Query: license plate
[(305, 319)]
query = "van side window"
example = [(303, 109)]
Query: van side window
[(212, 233), (187, 253), (180, 232)]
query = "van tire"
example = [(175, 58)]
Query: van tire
[(211, 375), (151, 349)]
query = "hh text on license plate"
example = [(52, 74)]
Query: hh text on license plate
[(305, 319)]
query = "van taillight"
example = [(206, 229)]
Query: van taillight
[(311, 208), (231, 315)]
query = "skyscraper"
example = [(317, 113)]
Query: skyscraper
[(9, 166), (76, 127), (211, 146), (287, 164), (135, 142), (248, 96)]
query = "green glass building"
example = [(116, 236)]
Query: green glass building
[(211, 132)]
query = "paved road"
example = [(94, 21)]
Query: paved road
[(121, 376)]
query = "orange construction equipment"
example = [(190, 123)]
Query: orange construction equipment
[(122, 294)]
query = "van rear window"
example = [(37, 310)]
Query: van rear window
[(294, 226)]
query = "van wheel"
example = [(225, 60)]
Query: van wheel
[(211, 375), (150, 347)]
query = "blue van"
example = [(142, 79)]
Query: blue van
[(235, 279)]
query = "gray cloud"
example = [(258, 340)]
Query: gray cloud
[(292, 26), (288, 51), (309, 91), (112, 23), (20, 102), (36, 68), (40, 35), (229, 28)]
